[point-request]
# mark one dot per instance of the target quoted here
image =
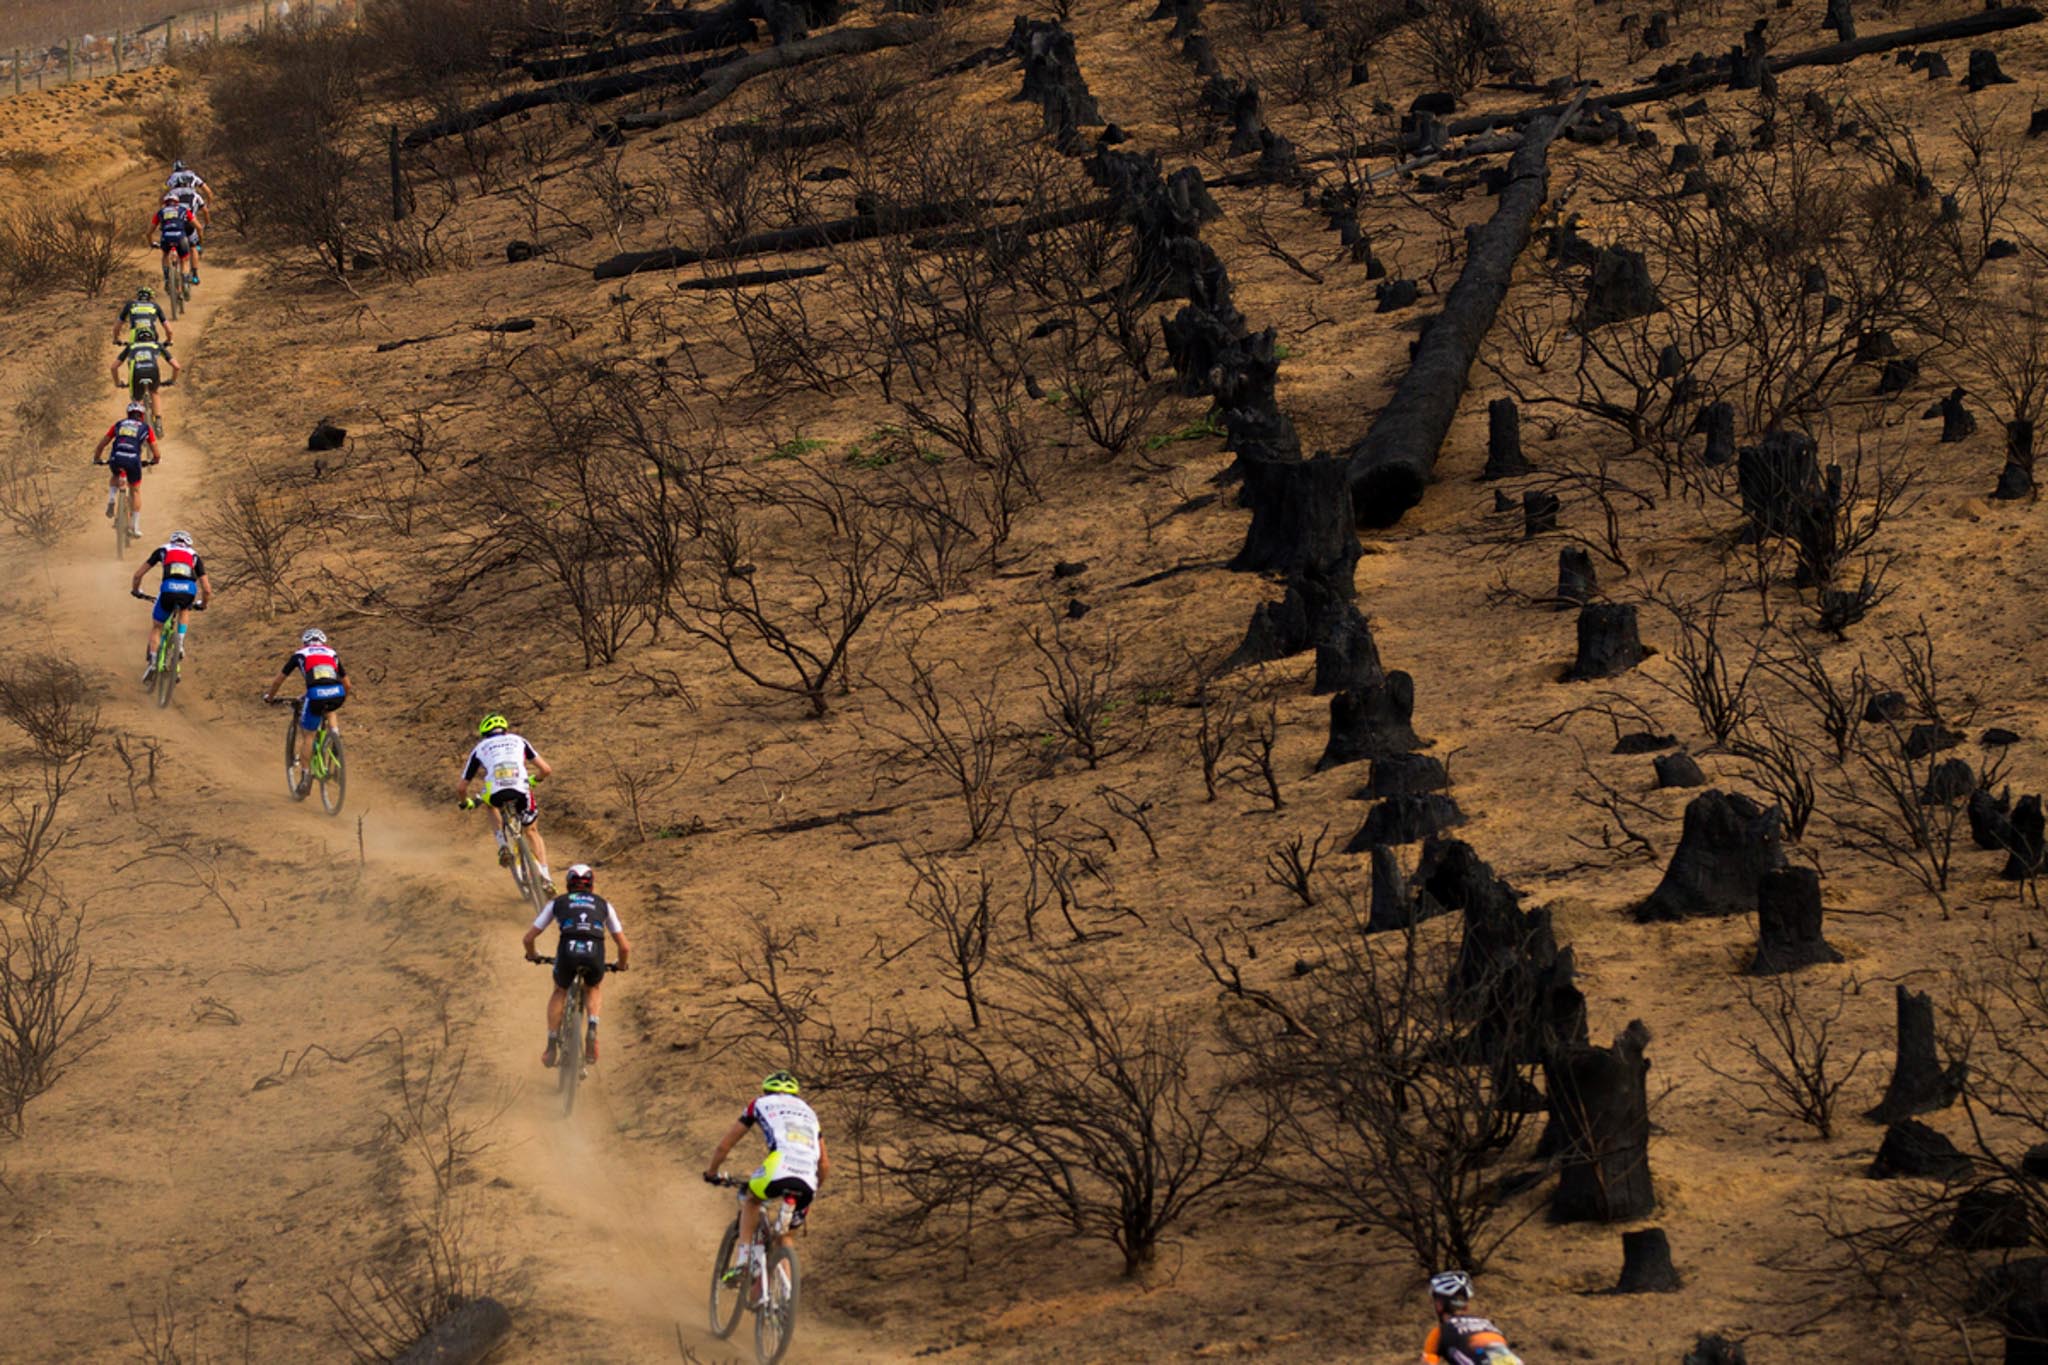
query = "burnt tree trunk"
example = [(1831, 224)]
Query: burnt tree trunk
[(843, 42), (1392, 464), (1504, 458), (1919, 1085), (1346, 654), (1600, 1097), (1371, 722), (1727, 847), (2016, 480), (1576, 582), (1789, 931)]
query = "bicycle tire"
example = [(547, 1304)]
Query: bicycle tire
[(334, 786), (291, 752), (775, 1320), (570, 1059), (723, 1320), (121, 515), (167, 662), (535, 887), (171, 290), (515, 843)]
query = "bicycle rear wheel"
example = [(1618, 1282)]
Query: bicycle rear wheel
[(291, 753), (121, 515), (726, 1299), (167, 662), (171, 289), (775, 1320), (335, 784), (569, 1056)]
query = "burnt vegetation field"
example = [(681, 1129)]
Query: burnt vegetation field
[(1278, 645)]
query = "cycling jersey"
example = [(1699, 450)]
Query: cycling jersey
[(581, 916), (322, 672), (173, 225), (142, 356), (501, 761), (182, 180), (129, 436), (790, 1128), (143, 318), (1465, 1340), (183, 568)]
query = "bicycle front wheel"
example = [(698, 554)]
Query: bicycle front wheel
[(335, 784), (775, 1319), (121, 515), (530, 879), (726, 1299), (292, 784)]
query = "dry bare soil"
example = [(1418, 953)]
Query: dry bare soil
[(245, 1146)]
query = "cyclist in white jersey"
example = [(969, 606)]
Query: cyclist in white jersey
[(500, 761), (796, 1164)]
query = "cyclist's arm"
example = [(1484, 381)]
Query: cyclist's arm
[(156, 557), (150, 440), (618, 933), (533, 930), (119, 361), (106, 441), (471, 770), (541, 766), (205, 588), (1430, 1347), (270, 692), (725, 1145), (824, 1162)]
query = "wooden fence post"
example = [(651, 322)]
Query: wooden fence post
[(17, 71), (70, 60), (216, 26), (117, 52)]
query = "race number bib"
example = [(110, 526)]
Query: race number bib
[(323, 673)]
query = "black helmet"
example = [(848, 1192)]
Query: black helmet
[(581, 878)]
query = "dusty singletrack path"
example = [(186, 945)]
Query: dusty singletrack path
[(223, 1155)]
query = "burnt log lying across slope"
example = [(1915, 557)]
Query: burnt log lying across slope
[(879, 221), (590, 90), (730, 76), (715, 32), (1832, 54), (1392, 464)]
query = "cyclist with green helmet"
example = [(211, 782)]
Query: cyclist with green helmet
[(499, 761), (796, 1164)]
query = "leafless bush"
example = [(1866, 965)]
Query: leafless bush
[(1251, 756), (644, 780), (1455, 43), (51, 701), (435, 1118), (28, 496), (788, 627), (1291, 865), (1780, 761), (1717, 690), (1082, 702), (165, 138), (1059, 862), (264, 534), (51, 1015), (779, 1017), (954, 733), (960, 910), (1798, 1061), (1395, 1110), (1219, 717), (1071, 1112), (1837, 700), (169, 1336), (51, 245)]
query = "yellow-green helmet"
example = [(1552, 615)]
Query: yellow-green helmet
[(780, 1083), (492, 724)]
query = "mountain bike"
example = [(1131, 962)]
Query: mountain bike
[(144, 391), (170, 652), (327, 767), (770, 1287), (174, 282), (123, 511), (570, 1065), (524, 866)]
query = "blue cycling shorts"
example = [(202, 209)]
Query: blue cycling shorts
[(320, 699)]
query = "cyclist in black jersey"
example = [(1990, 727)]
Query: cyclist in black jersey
[(583, 918)]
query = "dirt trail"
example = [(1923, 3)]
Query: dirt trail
[(183, 1162)]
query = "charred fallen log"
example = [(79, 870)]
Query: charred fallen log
[(730, 76)]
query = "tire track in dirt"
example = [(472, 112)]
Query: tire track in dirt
[(198, 1190)]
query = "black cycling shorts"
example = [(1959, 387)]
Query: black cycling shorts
[(579, 957), (517, 803), (789, 1186)]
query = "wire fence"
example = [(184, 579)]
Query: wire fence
[(83, 56)]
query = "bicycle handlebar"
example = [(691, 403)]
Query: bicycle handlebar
[(548, 959)]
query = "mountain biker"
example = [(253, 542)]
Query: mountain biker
[(128, 436), (796, 1163), (173, 229), (140, 316), (326, 689), (500, 758), (584, 918), (1458, 1337), (184, 584), (184, 178), (144, 359)]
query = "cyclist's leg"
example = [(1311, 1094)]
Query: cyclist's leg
[(310, 719), (540, 848), (159, 612), (135, 496)]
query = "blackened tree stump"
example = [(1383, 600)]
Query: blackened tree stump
[(1608, 641), (2016, 480), (1957, 423), (1711, 1348), (1371, 722), (1726, 848), (1777, 479), (1408, 818), (1919, 1085), (1346, 654), (1789, 930), (1504, 458), (1678, 770), (2024, 832), (1620, 288), (1405, 775), (1913, 1150), (1646, 1264), (1576, 582), (1600, 1098), (1539, 513), (1718, 421)]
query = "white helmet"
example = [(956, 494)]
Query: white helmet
[(1451, 1286), (181, 538), (315, 636), (137, 410)]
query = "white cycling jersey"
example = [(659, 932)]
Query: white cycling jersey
[(790, 1128), (183, 180), (500, 760)]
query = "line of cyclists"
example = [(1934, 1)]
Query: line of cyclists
[(501, 771)]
